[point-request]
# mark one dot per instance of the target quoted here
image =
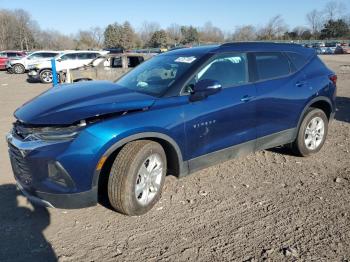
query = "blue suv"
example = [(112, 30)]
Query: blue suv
[(177, 113)]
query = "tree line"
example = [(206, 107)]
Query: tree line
[(18, 30)]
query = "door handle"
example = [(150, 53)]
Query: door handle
[(301, 83), (246, 98)]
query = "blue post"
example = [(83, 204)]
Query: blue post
[(54, 72)]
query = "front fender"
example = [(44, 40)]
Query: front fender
[(112, 147)]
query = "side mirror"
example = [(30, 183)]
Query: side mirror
[(205, 88), (59, 60)]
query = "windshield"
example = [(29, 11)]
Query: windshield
[(156, 75)]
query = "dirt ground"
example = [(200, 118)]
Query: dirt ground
[(266, 206)]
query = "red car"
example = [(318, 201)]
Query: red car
[(9, 55)]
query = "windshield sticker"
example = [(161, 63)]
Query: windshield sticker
[(188, 59)]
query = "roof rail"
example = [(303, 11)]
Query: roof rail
[(254, 42)]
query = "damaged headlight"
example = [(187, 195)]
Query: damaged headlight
[(48, 133)]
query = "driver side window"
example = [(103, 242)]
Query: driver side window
[(228, 69)]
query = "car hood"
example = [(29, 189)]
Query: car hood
[(67, 104)]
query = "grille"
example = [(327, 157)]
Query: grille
[(20, 166)]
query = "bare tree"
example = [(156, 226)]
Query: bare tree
[(147, 30), (334, 9), (275, 28), (244, 33), (23, 31), (315, 21), (299, 30), (51, 39), (210, 34), (86, 40), (97, 34), (174, 34)]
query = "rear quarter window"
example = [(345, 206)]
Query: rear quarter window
[(297, 60), (271, 65)]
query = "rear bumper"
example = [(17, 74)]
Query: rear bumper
[(66, 201)]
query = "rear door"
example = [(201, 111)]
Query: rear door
[(67, 61), (279, 92)]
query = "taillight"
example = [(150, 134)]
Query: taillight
[(333, 78)]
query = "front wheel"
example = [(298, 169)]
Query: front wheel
[(18, 69), (137, 177), (312, 133), (46, 76)]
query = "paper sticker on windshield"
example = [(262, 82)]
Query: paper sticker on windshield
[(187, 59)]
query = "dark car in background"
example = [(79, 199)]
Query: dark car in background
[(176, 113), (6, 56)]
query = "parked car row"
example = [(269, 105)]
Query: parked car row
[(329, 48), (68, 60), (20, 66), (108, 67), (71, 66)]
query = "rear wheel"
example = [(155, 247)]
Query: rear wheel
[(312, 133), (18, 69), (137, 177)]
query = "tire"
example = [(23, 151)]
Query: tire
[(46, 76), (311, 136), (18, 69), (131, 190)]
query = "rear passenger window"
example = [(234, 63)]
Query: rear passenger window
[(11, 54), (91, 56), (134, 61), (271, 65), (297, 60), (83, 56), (49, 55), (69, 57)]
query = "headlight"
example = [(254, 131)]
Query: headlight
[(33, 66), (56, 133), (49, 133)]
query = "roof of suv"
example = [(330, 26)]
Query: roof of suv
[(244, 47), (46, 51)]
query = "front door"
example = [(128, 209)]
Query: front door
[(225, 119)]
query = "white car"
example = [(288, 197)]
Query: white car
[(21, 65), (67, 60)]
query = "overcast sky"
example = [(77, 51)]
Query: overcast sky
[(68, 16)]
